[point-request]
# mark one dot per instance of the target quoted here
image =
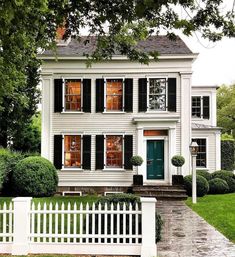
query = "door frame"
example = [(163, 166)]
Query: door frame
[(166, 151)]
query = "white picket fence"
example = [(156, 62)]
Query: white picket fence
[(120, 229)]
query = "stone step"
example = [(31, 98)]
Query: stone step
[(167, 197), (176, 190)]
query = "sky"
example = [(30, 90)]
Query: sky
[(215, 64)]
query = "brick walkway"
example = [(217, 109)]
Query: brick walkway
[(185, 234)]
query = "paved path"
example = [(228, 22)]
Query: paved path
[(185, 234)]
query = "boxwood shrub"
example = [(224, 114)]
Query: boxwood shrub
[(205, 174), (218, 186), (228, 176), (34, 176), (202, 185)]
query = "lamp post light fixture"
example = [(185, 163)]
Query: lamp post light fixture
[(194, 150)]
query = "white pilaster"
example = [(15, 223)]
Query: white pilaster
[(185, 120), (172, 152), (46, 117), (140, 149), (218, 150), (213, 109)]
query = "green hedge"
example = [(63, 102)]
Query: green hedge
[(227, 154), (205, 174), (218, 186), (228, 176)]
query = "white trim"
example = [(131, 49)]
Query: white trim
[(105, 157), (166, 93), (201, 106), (63, 95), (71, 193), (105, 95), (72, 168)]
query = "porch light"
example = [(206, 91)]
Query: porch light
[(194, 148)]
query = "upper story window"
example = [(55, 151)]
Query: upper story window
[(201, 155), (72, 151), (114, 151), (73, 92), (157, 94), (114, 95), (201, 107)]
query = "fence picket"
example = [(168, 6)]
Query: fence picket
[(44, 222), (81, 223), (62, 223), (56, 221), (124, 223), (4, 221), (118, 222), (68, 220), (99, 222), (38, 221), (50, 221), (10, 221), (74, 223), (93, 223), (33, 222), (87, 222), (112, 223), (130, 222)]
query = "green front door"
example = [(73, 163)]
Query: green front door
[(155, 159)]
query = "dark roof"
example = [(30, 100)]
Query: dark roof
[(203, 126), (162, 44)]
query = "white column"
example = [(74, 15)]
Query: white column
[(194, 179), (217, 150), (148, 207), (172, 151), (140, 148), (185, 120), (20, 244), (46, 119), (213, 109)]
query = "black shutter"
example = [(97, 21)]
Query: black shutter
[(99, 152), (58, 98), (206, 107), (58, 151), (128, 98), (87, 95), (143, 95), (128, 151), (99, 95), (172, 94), (86, 155)]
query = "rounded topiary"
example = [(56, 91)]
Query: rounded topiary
[(177, 160), (228, 176), (202, 185), (136, 160), (205, 174), (218, 186), (34, 176)]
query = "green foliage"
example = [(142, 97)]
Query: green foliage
[(228, 176), (136, 160), (119, 198), (205, 174), (159, 224), (8, 160), (177, 160), (227, 137), (202, 185), (226, 108), (228, 155), (34, 176), (29, 139), (218, 186)]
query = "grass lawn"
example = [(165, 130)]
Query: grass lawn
[(217, 210)]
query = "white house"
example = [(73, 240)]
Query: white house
[(94, 119)]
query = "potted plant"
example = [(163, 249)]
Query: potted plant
[(178, 161), (137, 161)]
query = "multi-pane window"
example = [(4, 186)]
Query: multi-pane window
[(114, 94), (72, 151), (196, 107), (201, 155), (157, 94), (114, 151), (73, 95)]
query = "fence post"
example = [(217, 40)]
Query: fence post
[(148, 207), (21, 225)]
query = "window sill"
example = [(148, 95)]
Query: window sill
[(72, 169), (198, 119), (116, 112), (114, 169), (157, 112), (201, 168), (76, 112)]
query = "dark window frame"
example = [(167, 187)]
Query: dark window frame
[(201, 107)]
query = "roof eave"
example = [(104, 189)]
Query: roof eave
[(191, 56)]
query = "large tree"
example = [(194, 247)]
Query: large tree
[(226, 109), (29, 25)]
